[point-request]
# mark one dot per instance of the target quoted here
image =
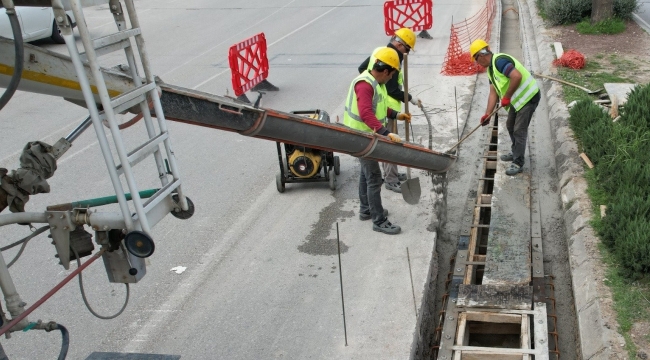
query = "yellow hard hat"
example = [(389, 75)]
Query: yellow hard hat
[(407, 36), (388, 56), (476, 46)]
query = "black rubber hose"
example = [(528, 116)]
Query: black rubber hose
[(65, 343), (20, 56)]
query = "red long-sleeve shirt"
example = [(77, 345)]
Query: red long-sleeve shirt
[(365, 92)]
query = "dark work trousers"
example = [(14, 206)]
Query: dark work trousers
[(517, 125), (370, 190), (390, 170)]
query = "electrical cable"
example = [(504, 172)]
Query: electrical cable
[(24, 242), (83, 294), (65, 341), (18, 63)]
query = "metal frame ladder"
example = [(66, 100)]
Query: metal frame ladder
[(141, 94)]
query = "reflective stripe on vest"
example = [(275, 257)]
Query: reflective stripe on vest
[(392, 103), (526, 90), (351, 116)]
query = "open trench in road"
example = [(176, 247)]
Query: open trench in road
[(464, 228)]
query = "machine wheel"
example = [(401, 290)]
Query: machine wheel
[(337, 165), (279, 182), (183, 214), (56, 33), (332, 179)]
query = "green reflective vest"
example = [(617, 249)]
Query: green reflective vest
[(390, 101), (351, 116), (526, 90)]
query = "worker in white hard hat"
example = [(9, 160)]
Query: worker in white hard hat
[(402, 42), (366, 110), (511, 82)]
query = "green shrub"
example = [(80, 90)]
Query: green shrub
[(566, 11), (624, 8), (562, 12), (608, 26), (621, 176)]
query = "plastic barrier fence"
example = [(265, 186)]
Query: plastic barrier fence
[(248, 63), (479, 26)]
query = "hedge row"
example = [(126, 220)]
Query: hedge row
[(620, 152), (573, 11)]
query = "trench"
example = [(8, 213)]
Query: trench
[(462, 182)]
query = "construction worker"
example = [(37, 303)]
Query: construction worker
[(519, 94), (402, 42), (366, 110)]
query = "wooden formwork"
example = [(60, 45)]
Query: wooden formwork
[(514, 310)]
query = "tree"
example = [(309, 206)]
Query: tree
[(601, 10)]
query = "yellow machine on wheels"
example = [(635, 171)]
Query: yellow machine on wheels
[(303, 164)]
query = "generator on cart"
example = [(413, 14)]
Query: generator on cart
[(303, 164)]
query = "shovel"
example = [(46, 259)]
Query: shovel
[(476, 128), (411, 187), (570, 84)]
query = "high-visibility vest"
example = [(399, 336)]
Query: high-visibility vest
[(351, 116), (392, 103), (526, 90)]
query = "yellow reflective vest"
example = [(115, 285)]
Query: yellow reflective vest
[(351, 117), (526, 90)]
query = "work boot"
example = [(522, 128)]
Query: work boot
[(401, 176), (387, 228), (514, 169), (367, 216), (394, 187), (507, 157)]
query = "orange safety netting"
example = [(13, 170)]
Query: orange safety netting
[(571, 59), (457, 60)]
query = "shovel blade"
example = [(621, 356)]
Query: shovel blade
[(411, 191)]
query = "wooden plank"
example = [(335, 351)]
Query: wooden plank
[(508, 251), (587, 161), (620, 90), (502, 351), (492, 317), (462, 336), (486, 199), (525, 335), (495, 296), (482, 355), (490, 164)]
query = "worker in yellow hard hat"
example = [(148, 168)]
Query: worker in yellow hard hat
[(366, 110), (511, 82), (402, 42)]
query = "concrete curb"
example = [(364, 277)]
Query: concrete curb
[(597, 325)]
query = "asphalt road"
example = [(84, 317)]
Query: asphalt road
[(643, 14), (258, 283)]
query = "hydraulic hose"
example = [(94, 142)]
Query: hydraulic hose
[(65, 341), (20, 56)]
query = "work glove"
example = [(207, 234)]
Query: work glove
[(505, 102), (404, 116), (485, 119), (394, 138), (415, 101)]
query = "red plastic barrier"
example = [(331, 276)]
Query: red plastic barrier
[(479, 26), (413, 14), (249, 64)]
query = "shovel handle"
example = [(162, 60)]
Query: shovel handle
[(476, 128), (566, 83), (406, 92)]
